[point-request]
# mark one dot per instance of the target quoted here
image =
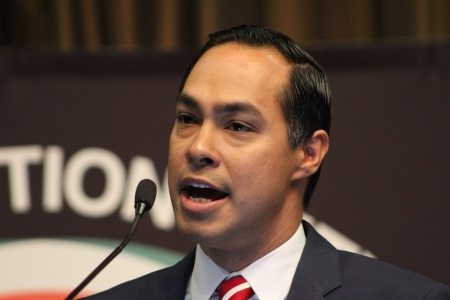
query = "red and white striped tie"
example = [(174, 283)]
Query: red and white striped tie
[(235, 288)]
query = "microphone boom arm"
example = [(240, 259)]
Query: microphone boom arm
[(141, 207)]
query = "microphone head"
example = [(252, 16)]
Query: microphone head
[(145, 193)]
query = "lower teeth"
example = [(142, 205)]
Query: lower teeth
[(201, 200)]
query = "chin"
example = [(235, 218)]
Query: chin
[(198, 235)]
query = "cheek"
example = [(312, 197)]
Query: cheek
[(263, 172), (175, 150), (252, 173), (174, 164)]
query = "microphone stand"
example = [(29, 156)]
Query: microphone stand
[(141, 207)]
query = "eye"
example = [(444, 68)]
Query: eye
[(185, 118), (238, 126)]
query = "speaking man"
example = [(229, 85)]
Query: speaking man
[(252, 126)]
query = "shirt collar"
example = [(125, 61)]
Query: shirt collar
[(275, 269), (206, 276)]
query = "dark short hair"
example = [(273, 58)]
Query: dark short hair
[(305, 102)]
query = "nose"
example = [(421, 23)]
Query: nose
[(202, 151)]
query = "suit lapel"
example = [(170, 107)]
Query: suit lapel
[(318, 272), (172, 282)]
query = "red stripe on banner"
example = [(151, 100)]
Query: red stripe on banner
[(41, 295)]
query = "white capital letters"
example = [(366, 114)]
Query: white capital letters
[(17, 159), (52, 175), (76, 168)]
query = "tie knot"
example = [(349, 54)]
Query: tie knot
[(235, 288)]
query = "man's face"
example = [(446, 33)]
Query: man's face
[(231, 170)]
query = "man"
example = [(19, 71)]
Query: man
[(253, 118)]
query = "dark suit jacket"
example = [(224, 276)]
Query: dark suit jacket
[(323, 273)]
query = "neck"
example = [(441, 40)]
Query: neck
[(236, 259)]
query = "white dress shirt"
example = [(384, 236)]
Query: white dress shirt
[(270, 276)]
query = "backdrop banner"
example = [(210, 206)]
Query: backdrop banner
[(78, 131)]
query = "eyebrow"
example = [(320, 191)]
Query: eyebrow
[(187, 100), (222, 108)]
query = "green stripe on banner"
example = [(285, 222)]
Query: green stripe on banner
[(162, 255)]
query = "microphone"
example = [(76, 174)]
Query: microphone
[(145, 196), (143, 201)]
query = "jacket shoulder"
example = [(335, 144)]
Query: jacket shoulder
[(336, 274), (167, 283), (380, 280)]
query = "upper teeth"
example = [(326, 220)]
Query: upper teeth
[(199, 185)]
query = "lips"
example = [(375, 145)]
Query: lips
[(203, 193)]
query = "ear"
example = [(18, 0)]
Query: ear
[(311, 155)]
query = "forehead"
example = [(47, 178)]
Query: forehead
[(234, 71)]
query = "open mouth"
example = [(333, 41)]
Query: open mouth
[(203, 193)]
